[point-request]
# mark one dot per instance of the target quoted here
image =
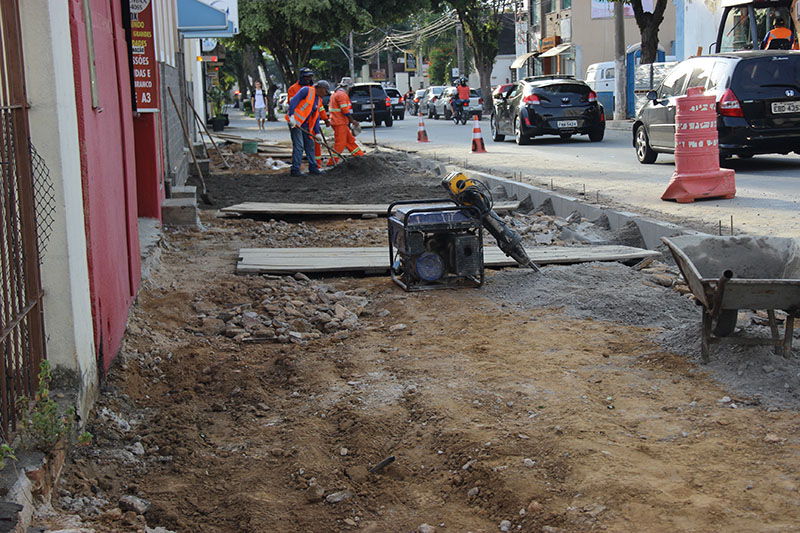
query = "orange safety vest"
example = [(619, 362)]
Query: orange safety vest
[(339, 106), (305, 107), (778, 33), (293, 90)]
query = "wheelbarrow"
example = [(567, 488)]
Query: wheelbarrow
[(726, 274)]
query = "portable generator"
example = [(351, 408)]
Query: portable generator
[(435, 244)]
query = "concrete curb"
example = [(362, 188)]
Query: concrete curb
[(651, 229)]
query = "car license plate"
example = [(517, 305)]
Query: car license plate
[(366, 106), (567, 123), (785, 107)]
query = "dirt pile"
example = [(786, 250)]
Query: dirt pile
[(378, 177)]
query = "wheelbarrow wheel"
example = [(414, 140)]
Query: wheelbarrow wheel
[(726, 322)]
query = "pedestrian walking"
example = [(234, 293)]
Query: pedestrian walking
[(341, 113), (259, 104), (303, 119)]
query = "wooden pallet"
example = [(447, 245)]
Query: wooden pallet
[(262, 208), (376, 260)]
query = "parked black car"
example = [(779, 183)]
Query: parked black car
[(365, 95), (398, 103), (547, 105), (758, 104)]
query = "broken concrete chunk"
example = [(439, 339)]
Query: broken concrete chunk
[(213, 326), (336, 497), (134, 503)]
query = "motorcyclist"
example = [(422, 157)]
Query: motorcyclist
[(461, 97)]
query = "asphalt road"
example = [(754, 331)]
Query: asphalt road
[(768, 187)]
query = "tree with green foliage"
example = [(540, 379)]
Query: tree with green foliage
[(482, 21), (289, 29), (648, 24), (443, 57)]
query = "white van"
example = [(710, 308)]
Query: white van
[(600, 76)]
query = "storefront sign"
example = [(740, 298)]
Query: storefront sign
[(143, 53)]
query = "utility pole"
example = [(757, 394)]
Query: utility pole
[(460, 49), (543, 5), (352, 61), (419, 66), (390, 63), (620, 97)]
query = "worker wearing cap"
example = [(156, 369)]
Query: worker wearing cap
[(779, 31), (305, 79), (303, 119), (341, 113)]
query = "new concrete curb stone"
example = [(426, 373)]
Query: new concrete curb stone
[(651, 229)]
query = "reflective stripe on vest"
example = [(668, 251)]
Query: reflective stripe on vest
[(305, 106)]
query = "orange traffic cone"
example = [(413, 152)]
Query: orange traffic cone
[(477, 140), (422, 135)]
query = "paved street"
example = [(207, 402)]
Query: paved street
[(768, 187)]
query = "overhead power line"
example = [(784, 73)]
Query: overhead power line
[(401, 40)]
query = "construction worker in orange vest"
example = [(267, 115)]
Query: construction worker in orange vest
[(323, 117), (303, 119), (306, 78), (779, 31), (341, 113)]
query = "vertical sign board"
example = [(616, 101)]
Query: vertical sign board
[(143, 52)]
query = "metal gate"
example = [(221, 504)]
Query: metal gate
[(22, 342)]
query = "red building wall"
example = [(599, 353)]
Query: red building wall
[(109, 171)]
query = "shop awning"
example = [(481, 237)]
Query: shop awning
[(204, 34), (556, 50), (519, 62), (195, 16)]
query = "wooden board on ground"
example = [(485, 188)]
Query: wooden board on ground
[(259, 140), (376, 260), (263, 208)]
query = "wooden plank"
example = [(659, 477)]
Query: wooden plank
[(279, 208), (376, 259)]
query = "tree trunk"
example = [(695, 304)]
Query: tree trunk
[(648, 28), (484, 66), (649, 44)]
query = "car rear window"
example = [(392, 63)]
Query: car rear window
[(377, 92), (766, 77), (394, 93), (565, 88)]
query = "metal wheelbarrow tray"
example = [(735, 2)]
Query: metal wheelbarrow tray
[(726, 274)]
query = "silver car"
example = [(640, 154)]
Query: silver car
[(432, 94), (442, 105)]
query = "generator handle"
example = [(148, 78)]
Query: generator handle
[(428, 201)]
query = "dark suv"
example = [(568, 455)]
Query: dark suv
[(365, 95), (547, 105), (758, 104)]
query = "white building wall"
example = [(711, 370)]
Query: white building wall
[(700, 22), (54, 133)]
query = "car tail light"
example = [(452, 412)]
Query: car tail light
[(416, 100), (480, 101), (402, 99), (729, 105), (592, 96), (434, 99), (532, 99), (388, 102)]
